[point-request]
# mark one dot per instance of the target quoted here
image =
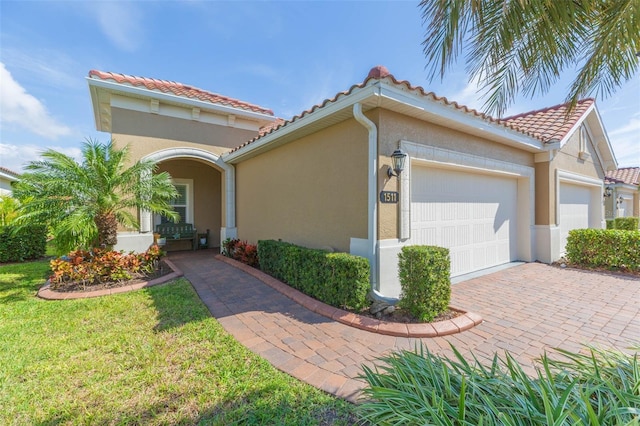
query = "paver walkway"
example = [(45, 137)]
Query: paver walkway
[(527, 309)]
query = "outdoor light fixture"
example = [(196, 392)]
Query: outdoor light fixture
[(620, 200), (397, 160), (608, 191)]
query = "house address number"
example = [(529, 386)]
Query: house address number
[(390, 197)]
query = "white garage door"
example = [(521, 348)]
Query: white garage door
[(574, 210), (473, 215)]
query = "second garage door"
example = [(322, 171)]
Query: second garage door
[(474, 215), (574, 210)]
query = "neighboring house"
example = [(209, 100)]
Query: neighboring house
[(623, 193), (492, 191), (6, 178)]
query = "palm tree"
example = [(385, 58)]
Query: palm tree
[(83, 203), (8, 209), (514, 46)]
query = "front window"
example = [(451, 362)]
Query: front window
[(183, 203)]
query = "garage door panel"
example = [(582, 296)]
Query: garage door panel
[(573, 211), (473, 215)]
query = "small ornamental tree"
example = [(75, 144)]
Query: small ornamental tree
[(83, 203)]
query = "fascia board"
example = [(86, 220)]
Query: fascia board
[(93, 92), (167, 97), (9, 177), (359, 95), (470, 123), (606, 136), (576, 125)]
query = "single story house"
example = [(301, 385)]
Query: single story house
[(622, 189), (493, 191), (7, 177)]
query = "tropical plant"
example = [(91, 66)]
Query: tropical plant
[(599, 387), (83, 203), (523, 46), (8, 209)]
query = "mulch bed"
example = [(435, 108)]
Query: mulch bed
[(564, 264), (79, 287), (404, 317)]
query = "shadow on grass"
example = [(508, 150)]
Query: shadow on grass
[(176, 304), (21, 281), (271, 405)]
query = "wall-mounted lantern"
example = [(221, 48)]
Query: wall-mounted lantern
[(397, 161), (608, 191)]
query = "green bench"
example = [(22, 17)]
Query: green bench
[(178, 232)]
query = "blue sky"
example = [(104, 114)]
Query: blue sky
[(286, 56)]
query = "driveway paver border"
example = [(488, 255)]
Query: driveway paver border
[(463, 322)]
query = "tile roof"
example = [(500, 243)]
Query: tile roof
[(178, 89), (549, 124), (9, 172), (625, 175), (542, 125)]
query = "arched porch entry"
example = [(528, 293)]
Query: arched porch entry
[(208, 185)]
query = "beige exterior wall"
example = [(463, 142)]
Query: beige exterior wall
[(545, 194), (153, 133), (393, 127), (568, 160), (311, 192), (207, 185)]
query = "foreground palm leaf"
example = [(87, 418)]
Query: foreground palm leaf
[(83, 204), (514, 46)]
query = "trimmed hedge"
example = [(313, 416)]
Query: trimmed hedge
[(604, 248), (24, 243), (337, 279), (626, 223), (425, 282)]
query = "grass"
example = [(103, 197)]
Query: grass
[(153, 356)]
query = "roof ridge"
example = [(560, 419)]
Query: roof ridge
[(179, 89), (546, 109), (380, 73)]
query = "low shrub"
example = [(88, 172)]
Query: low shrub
[(416, 387), (604, 248), (425, 282), (626, 223), (22, 243), (100, 266), (241, 251), (611, 224), (337, 279)]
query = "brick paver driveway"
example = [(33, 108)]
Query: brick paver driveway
[(527, 310)]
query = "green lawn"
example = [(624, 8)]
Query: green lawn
[(153, 356)]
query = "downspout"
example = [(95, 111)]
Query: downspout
[(372, 199)]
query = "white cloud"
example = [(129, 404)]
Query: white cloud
[(16, 157), (121, 22), (20, 108), (625, 140)]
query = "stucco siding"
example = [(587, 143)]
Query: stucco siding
[(568, 159), (311, 192), (207, 210), (152, 133)]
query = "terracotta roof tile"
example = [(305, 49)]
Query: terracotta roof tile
[(379, 73), (178, 89), (532, 124), (549, 124), (9, 172), (625, 175)]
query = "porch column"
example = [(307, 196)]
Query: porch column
[(145, 221)]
